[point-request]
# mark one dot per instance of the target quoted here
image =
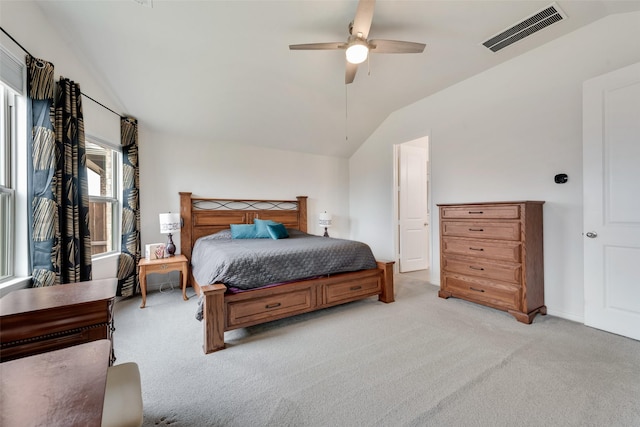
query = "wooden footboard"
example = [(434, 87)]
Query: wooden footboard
[(224, 312)]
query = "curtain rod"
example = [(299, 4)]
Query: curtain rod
[(29, 53)]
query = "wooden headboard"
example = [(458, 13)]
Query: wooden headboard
[(203, 216)]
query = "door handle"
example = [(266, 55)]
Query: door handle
[(592, 234)]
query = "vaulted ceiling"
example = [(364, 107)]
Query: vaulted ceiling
[(222, 71)]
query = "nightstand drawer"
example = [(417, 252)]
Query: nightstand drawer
[(482, 268), (479, 212), (499, 230), (164, 267), (505, 251), (496, 294)]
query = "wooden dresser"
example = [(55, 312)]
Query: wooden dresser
[(492, 254), (37, 320)]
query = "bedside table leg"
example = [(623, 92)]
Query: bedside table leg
[(143, 286), (183, 276)]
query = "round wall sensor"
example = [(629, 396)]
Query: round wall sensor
[(561, 178)]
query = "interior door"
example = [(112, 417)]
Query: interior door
[(413, 211), (611, 170)]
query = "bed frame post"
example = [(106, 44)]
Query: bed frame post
[(185, 231), (214, 315), (387, 281), (302, 213)]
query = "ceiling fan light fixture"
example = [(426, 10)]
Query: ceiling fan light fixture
[(357, 52)]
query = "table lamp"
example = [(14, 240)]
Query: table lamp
[(324, 219), (169, 223)]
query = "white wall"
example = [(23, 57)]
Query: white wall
[(170, 164), (503, 135)]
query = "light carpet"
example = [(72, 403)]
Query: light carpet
[(420, 361)]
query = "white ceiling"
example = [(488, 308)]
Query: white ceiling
[(221, 71)]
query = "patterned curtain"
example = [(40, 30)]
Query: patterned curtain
[(128, 283), (72, 195), (42, 181)]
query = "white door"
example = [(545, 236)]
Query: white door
[(611, 168), (413, 212)]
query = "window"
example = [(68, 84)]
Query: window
[(14, 241), (104, 166), (7, 191)]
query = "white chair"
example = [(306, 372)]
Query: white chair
[(123, 397)]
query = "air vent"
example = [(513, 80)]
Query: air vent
[(525, 28), (146, 3)]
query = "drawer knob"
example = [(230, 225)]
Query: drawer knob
[(355, 288), (274, 305), (476, 289), (476, 268), (475, 212), (164, 266), (476, 229), (476, 249)]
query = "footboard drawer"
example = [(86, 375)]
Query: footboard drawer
[(352, 290), (253, 311)]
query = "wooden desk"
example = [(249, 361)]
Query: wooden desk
[(59, 388), (36, 320), (163, 265)]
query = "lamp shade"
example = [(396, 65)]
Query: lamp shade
[(324, 219), (169, 223)]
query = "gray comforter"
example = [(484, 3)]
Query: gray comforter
[(251, 263)]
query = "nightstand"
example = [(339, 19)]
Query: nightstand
[(164, 265)]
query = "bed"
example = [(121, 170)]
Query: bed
[(224, 309)]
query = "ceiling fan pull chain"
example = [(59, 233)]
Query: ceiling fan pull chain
[(346, 114)]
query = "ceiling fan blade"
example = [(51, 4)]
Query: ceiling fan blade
[(350, 72), (364, 16), (318, 46), (395, 46)]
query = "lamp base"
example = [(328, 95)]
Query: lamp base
[(171, 248), (326, 233)]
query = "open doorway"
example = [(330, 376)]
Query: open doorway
[(411, 200)]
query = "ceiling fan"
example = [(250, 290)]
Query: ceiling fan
[(357, 47)]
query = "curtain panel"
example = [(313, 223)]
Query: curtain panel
[(72, 195), (60, 244), (41, 177), (128, 281)]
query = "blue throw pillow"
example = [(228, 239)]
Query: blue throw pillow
[(243, 231), (261, 227), (277, 231)]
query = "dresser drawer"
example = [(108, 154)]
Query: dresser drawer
[(476, 212), (349, 291), (505, 251), (499, 230), (482, 268), (499, 295), (37, 345), (272, 306)]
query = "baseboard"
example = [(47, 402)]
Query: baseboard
[(564, 315)]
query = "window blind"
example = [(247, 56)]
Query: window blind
[(11, 71)]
